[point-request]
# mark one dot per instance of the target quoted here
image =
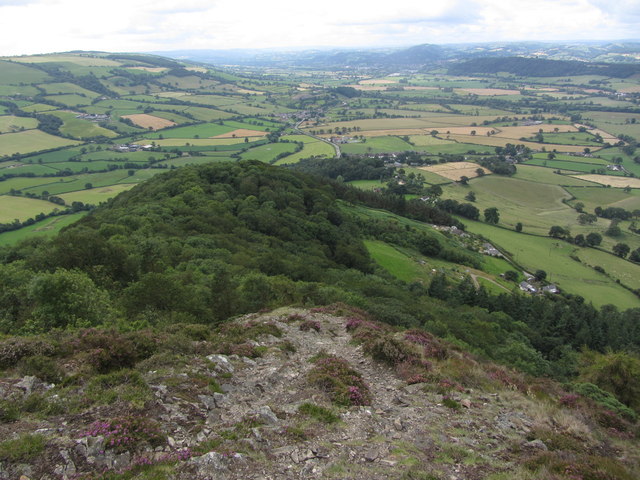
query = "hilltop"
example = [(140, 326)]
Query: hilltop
[(321, 393), (132, 344)]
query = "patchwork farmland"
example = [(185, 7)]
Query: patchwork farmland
[(69, 142)]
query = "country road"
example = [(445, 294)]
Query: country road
[(334, 145)]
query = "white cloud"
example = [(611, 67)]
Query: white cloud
[(36, 26)]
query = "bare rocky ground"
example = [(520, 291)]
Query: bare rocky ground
[(252, 428)]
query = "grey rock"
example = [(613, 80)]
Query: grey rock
[(266, 415), (371, 455), (299, 456), (208, 401), (90, 447), (210, 464), (27, 384), (398, 425), (121, 462), (414, 388), (222, 363), (68, 469), (221, 400)]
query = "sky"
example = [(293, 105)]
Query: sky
[(44, 26)]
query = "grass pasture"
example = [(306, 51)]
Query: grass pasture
[(538, 206), (79, 128), (385, 144), (268, 153), (47, 227), (553, 256), (94, 196), (22, 208), (14, 73), (395, 262), (22, 169), (30, 141), (545, 175), (205, 130), (570, 165), (67, 89), (12, 124), (600, 196), (70, 100), (312, 148)]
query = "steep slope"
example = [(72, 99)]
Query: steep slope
[(323, 393)]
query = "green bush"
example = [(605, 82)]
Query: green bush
[(606, 399), (14, 349), (321, 414), (123, 385), (391, 351), (22, 449), (344, 385), (45, 368)]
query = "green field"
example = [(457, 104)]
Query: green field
[(38, 107), (552, 256), (570, 138), (368, 184), (66, 88), (11, 169), (606, 197), (573, 158), (46, 227), (537, 206), (70, 100), (15, 74), (79, 128), (194, 131), (268, 153), (386, 144), (94, 196), (312, 148), (22, 208), (572, 166), (545, 175), (30, 141), (11, 124), (428, 140)]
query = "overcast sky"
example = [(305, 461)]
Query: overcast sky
[(43, 26)]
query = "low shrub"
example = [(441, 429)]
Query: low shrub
[(22, 448), (431, 346), (575, 466), (9, 411), (45, 368), (12, 350), (124, 385), (321, 414), (391, 351), (344, 385), (605, 399), (451, 403), (127, 433)]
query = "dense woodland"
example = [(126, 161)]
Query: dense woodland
[(202, 244)]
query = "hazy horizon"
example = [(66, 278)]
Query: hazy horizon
[(45, 26)]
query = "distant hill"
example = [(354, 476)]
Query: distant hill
[(418, 55), (539, 67)]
